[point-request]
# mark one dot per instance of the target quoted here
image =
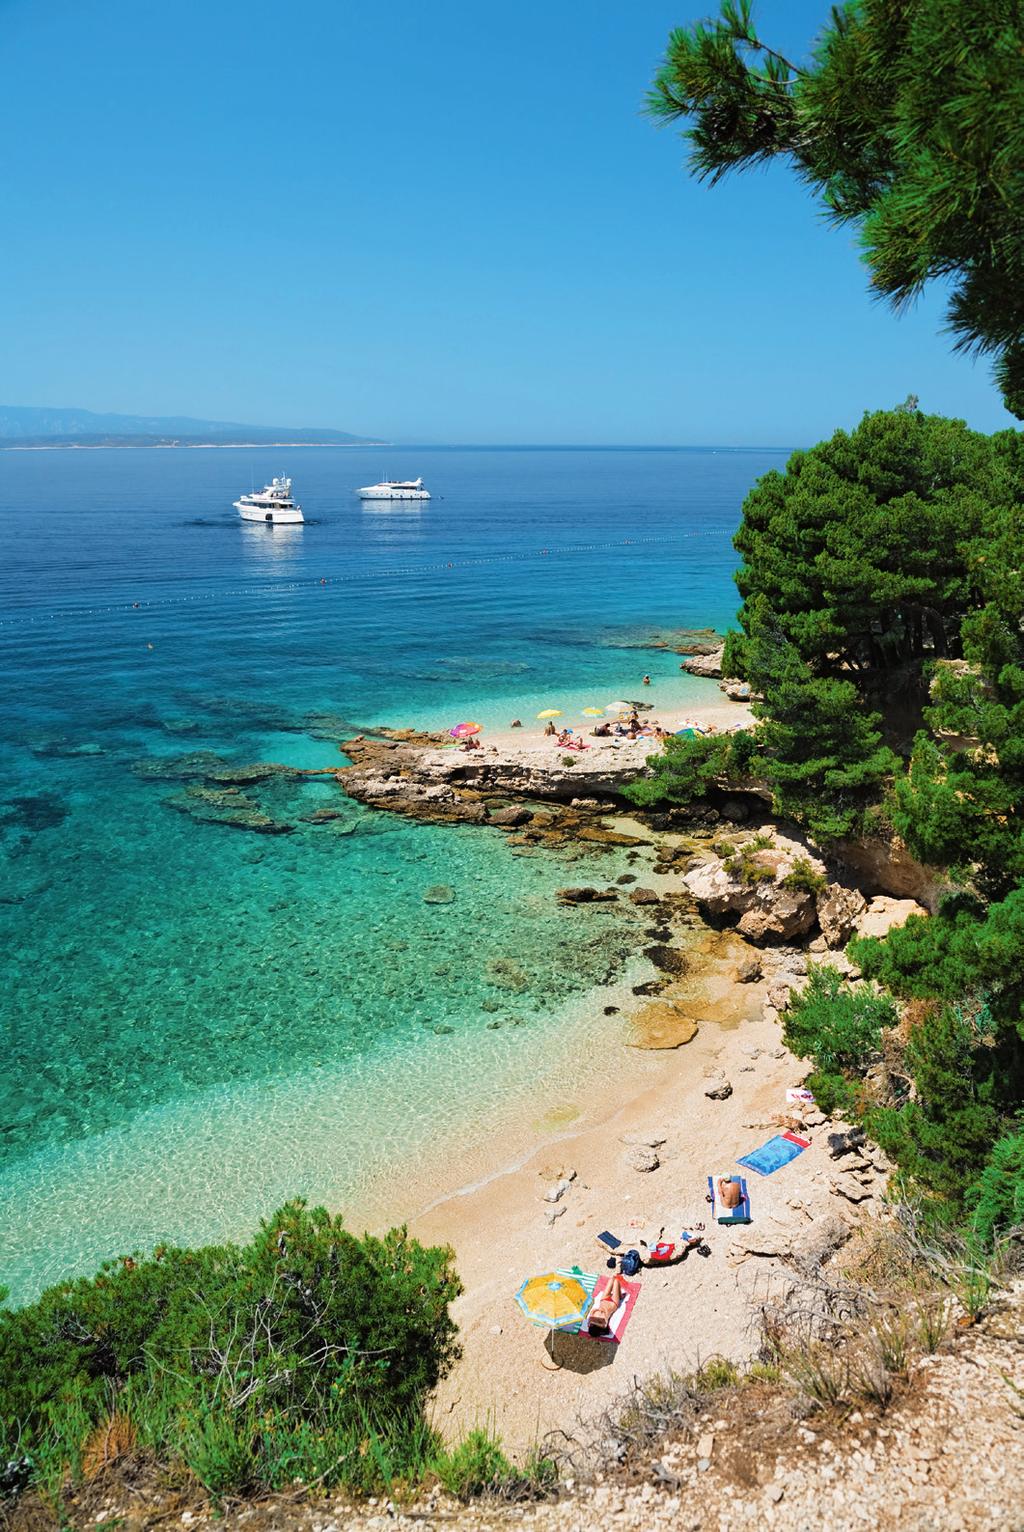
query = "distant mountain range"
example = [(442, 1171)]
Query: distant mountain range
[(23, 426)]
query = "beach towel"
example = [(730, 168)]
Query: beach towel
[(663, 1251), (620, 1319), (588, 1280), (778, 1151), (738, 1214)]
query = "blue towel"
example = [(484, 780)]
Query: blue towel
[(778, 1151)]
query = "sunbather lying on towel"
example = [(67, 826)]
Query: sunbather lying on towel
[(604, 1309), (730, 1191)]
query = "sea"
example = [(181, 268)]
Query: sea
[(200, 1019)]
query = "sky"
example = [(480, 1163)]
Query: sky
[(428, 222)]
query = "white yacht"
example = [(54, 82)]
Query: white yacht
[(273, 503), (395, 489)]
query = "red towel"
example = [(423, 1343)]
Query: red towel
[(620, 1319)]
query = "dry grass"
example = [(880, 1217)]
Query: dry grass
[(115, 1437)]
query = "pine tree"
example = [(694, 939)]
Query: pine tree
[(907, 121)]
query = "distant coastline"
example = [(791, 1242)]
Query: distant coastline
[(162, 446)]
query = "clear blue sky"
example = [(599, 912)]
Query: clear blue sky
[(443, 221)]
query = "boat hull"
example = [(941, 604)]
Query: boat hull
[(393, 494), (270, 516)]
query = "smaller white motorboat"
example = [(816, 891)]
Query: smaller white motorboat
[(395, 489), (273, 503)]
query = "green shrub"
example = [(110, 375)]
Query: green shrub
[(688, 769), (942, 1139), (476, 1465), (252, 1365), (839, 1028), (998, 1194), (803, 876), (716, 1373)]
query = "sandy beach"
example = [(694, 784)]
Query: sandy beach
[(498, 1214), (685, 1313)]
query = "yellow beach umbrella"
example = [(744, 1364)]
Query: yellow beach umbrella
[(593, 712), (551, 712), (557, 1300)]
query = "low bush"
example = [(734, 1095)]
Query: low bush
[(305, 1355), (840, 1030), (688, 769), (803, 876), (997, 1196)]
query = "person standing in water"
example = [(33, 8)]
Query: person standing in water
[(647, 680)]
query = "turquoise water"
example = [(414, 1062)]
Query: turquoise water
[(199, 1020)]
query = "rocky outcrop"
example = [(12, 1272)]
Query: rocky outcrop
[(839, 909), (762, 888), (883, 913), (405, 770), (884, 865), (704, 664)]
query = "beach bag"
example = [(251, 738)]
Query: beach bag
[(630, 1263)]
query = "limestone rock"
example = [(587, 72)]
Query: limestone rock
[(752, 885), (585, 895), (719, 1090), (850, 1189), (642, 1159), (704, 664), (649, 1140), (439, 893), (643, 896), (748, 969), (510, 816), (668, 959), (883, 913), (786, 913), (839, 909), (783, 988), (660, 1025), (557, 1192)]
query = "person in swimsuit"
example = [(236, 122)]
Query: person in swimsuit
[(730, 1192), (601, 1314)]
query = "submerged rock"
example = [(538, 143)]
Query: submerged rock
[(257, 771), (506, 973), (178, 768), (226, 806), (439, 893), (668, 959), (585, 895), (660, 1025), (33, 812)]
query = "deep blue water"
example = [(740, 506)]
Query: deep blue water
[(181, 995)]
